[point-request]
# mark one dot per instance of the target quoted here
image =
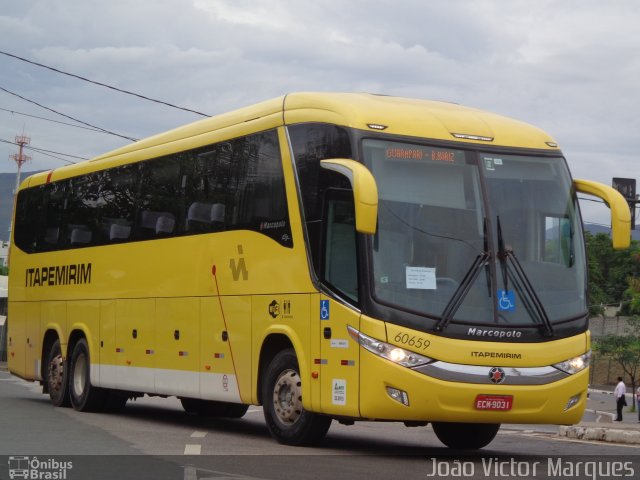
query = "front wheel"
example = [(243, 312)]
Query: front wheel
[(84, 396), (467, 436), (286, 418)]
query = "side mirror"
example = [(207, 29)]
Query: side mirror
[(365, 191), (620, 214)]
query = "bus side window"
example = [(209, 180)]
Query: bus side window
[(310, 144), (205, 181), (340, 263), (50, 233), (30, 218), (117, 202), (160, 198)]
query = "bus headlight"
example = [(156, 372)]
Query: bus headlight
[(576, 364), (390, 352)]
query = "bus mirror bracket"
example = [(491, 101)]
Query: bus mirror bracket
[(365, 191), (620, 214)]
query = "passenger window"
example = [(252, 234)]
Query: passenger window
[(310, 144), (116, 203), (161, 199)]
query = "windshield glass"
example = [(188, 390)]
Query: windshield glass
[(534, 213), (433, 228), (430, 228)]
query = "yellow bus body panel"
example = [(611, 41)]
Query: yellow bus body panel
[(437, 400), (431, 399), (472, 352)]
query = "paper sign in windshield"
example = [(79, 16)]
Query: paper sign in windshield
[(421, 278)]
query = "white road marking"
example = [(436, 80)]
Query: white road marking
[(197, 434), (190, 449)]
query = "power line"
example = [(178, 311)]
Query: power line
[(13, 112), (104, 84), (47, 152), (67, 116), (42, 150)]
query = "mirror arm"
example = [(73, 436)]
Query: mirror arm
[(620, 213), (365, 191)]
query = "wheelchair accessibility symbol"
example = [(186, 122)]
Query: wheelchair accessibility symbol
[(324, 309), (506, 300)]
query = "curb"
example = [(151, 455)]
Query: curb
[(600, 434), (600, 414)]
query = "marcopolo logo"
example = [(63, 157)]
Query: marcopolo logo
[(33, 468)]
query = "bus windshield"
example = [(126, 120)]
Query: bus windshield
[(516, 249)]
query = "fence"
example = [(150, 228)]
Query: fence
[(605, 371)]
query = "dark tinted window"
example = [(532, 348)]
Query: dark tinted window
[(312, 143), (50, 235), (29, 218), (238, 184), (80, 215), (161, 202), (117, 200)]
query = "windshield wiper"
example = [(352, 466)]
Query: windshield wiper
[(481, 262), (521, 282)]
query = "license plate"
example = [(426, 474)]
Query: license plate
[(494, 402)]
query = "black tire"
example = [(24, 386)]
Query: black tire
[(57, 384), (84, 396), (288, 422), (465, 436), (211, 408)]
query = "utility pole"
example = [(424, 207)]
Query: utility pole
[(20, 158)]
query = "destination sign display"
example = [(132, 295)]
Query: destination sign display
[(402, 151)]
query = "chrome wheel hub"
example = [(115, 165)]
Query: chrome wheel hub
[(55, 373), (287, 397)]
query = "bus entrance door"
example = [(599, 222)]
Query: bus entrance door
[(339, 362)]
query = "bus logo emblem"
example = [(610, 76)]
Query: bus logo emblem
[(497, 375), (274, 309), (238, 267)]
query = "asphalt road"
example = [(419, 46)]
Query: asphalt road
[(154, 439)]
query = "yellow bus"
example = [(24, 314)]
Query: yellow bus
[(327, 256)]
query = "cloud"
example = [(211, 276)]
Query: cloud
[(569, 67)]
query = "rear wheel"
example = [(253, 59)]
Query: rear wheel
[(212, 408), (286, 418), (468, 436), (84, 396), (57, 384)]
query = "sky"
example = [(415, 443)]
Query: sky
[(571, 67)]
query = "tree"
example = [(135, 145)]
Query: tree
[(624, 350), (609, 271)]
